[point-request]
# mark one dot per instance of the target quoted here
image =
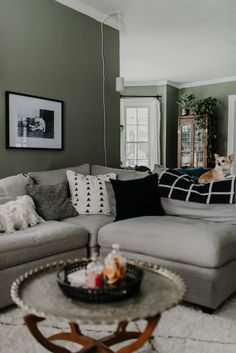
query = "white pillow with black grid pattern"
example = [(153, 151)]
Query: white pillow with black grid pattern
[(88, 192)]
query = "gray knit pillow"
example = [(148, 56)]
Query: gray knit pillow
[(51, 201)]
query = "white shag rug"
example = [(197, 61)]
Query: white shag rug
[(183, 329)]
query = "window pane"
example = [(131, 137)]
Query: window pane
[(131, 133), (142, 133), (198, 139), (130, 150), (198, 159), (185, 159), (185, 137), (131, 116), (143, 162), (142, 150), (143, 116), (130, 162)]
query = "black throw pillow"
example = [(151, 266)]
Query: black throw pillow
[(51, 201), (136, 198)]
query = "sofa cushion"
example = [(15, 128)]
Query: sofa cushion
[(92, 223), (45, 239), (52, 201), (12, 186), (189, 241), (56, 176), (213, 213), (138, 197), (159, 169), (122, 174)]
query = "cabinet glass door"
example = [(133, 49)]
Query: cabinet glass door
[(185, 156), (198, 147)]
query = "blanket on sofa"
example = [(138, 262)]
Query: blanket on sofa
[(176, 185)]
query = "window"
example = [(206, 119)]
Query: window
[(139, 143)]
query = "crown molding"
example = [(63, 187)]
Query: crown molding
[(208, 82), (181, 85), (91, 12), (151, 83), (145, 83), (173, 84)]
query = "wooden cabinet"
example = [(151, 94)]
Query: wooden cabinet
[(192, 141)]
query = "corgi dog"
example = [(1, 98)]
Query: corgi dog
[(222, 169)]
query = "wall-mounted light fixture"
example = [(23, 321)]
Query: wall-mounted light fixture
[(120, 83)]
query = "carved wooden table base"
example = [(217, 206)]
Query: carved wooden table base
[(91, 345)]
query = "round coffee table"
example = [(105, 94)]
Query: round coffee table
[(38, 294)]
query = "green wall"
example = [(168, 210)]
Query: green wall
[(169, 118), (50, 50), (171, 126), (221, 92)]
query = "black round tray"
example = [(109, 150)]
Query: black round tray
[(124, 288)]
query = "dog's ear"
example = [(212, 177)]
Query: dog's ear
[(217, 156), (231, 158)]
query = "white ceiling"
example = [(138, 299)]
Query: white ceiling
[(176, 40)]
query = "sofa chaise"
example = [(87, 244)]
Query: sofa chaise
[(201, 250)]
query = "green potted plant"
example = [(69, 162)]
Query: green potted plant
[(202, 107), (185, 102)]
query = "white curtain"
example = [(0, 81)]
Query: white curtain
[(155, 123)]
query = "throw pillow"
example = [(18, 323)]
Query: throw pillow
[(51, 201), (122, 174), (88, 193), (111, 198), (18, 214), (57, 176), (159, 169), (136, 198), (221, 213), (12, 187)]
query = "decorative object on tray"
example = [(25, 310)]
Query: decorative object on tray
[(114, 265), (33, 122), (93, 282)]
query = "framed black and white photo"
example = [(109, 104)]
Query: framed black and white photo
[(33, 122)]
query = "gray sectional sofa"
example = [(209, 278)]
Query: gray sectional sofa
[(202, 251)]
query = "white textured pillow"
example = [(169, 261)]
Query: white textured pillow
[(88, 192)]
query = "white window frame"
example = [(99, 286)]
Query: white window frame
[(232, 128), (154, 121)]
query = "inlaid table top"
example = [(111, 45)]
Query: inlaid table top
[(38, 294)]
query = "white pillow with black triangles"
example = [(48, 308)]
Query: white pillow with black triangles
[(88, 192)]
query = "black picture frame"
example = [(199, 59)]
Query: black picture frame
[(33, 122)]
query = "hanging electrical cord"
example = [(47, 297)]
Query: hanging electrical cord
[(103, 85)]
